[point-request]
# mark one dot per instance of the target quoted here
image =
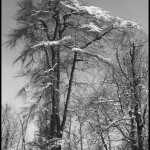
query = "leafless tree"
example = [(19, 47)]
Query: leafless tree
[(59, 37)]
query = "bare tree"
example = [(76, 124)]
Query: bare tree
[(59, 36), (129, 81), (10, 128)]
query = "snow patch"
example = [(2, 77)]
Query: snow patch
[(76, 49), (52, 69), (126, 24), (47, 85), (103, 59), (36, 12), (98, 12), (102, 15), (50, 43), (92, 27), (91, 10)]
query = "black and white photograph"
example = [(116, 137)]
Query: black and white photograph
[(75, 75)]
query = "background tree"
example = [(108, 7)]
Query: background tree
[(119, 82), (11, 129)]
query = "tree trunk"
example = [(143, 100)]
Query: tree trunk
[(132, 134), (140, 137), (7, 140), (135, 95), (104, 143), (132, 75), (139, 128)]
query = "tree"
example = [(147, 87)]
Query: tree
[(10, 137), (115, 97), (126, 81), (132, 61), (58, 35)]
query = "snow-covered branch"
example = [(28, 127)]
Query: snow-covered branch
[(52, 69), (53, 43), (36, 12), (101, 15), (46, 86), (115, 121), (91, 27), (126, 24), (91, 10), (105, 101), (76, 49)]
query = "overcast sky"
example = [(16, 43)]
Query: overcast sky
[(134, 10)]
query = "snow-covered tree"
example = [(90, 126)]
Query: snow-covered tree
[(59, 37)]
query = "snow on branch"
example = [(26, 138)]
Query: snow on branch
[(98, 56), (36, 12), (101, 58), (126, 24), (92, 27), (97, 12), (91, 10), (52, 69), (46, 86), (115, 121), (101, 15), (69, 6), (76, 49), (53, 43), (105, 101)]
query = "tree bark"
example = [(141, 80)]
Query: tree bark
[(69, 91), (137, 144)]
